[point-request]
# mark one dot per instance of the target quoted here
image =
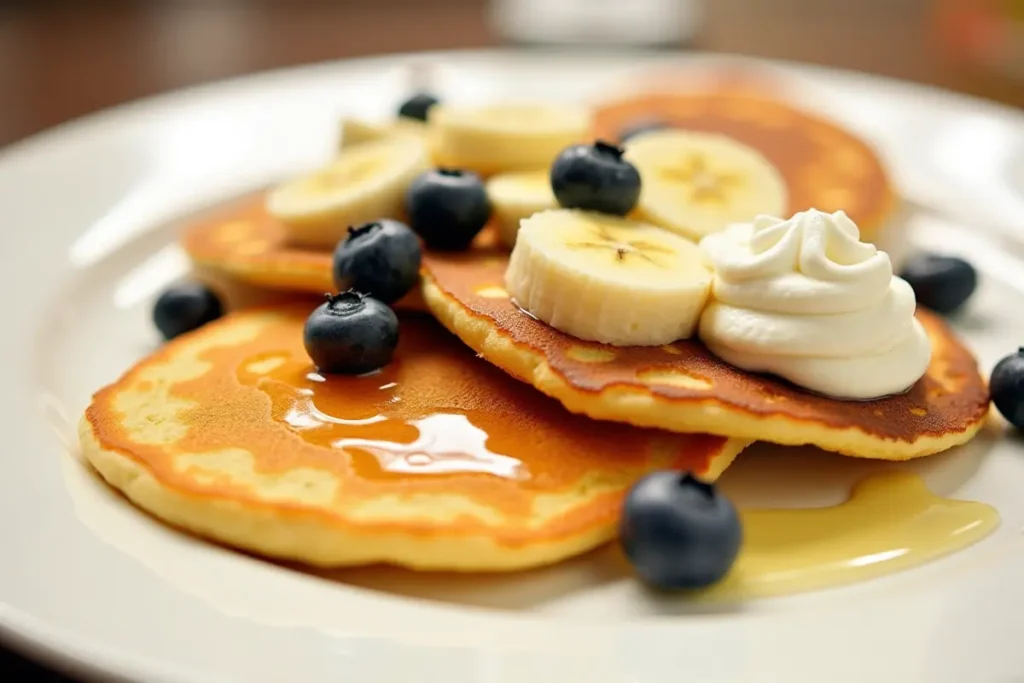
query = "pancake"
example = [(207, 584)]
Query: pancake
[(684, 388), (240, 242), (439, 461), (739, 76), (238, 295), (824, 166)]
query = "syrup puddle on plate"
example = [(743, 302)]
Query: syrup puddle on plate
[(891, 522)]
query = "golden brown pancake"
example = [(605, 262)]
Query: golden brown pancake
[(438, 461), (824, 166), (684, 388), (242, 242), (246, 242)]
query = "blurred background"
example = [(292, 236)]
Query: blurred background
[(63, 59)]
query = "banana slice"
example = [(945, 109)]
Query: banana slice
[(608, 279), (364, 183), (697, 183), (356, 131), (515, 196), (500, 138)]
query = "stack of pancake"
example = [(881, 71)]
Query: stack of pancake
[(493, 442)]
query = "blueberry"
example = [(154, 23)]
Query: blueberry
[(417, 106), (447, 208), (595, 178), (1007, 388), (184, 307), (351, 334), (941, 283), (638, 127), (379, 259), (679, 532)]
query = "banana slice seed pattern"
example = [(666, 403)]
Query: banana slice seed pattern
[(623, 248), (706, 185)]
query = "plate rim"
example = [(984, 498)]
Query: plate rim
[(56, 647)]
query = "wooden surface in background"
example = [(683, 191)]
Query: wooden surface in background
[(62, 60), (59, 61)]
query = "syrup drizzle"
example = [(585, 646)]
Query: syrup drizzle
[(447, 444), (303, 414), (366, 418), (891, 522)]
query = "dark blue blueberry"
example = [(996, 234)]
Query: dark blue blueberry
[(447, 208), (417, 106), (351, 334), (679, 532), (595, 178), (941, 283), (184, 307), (638, 127), (379, 259), (1007, 388)]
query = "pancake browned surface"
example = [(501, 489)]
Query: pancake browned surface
[(683, 387), (242, 241), (824, 166), (438, 461)]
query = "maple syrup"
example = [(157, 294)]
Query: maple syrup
[(436, 409), (891, 522)]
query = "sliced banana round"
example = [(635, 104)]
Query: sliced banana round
[(515, 196), (356, 131), (697, 183), (608, 279), (364, 183), (493, 139)]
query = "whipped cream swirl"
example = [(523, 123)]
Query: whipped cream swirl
[(806, 300)]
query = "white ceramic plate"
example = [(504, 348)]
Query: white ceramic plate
[(91, 584)]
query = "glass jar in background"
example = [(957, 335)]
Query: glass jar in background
[(647, 23)]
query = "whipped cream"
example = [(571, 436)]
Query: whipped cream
[(806, 300)]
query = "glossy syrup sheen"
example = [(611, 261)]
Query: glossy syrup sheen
[(390, 441), (891, 522), (437, 410)]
